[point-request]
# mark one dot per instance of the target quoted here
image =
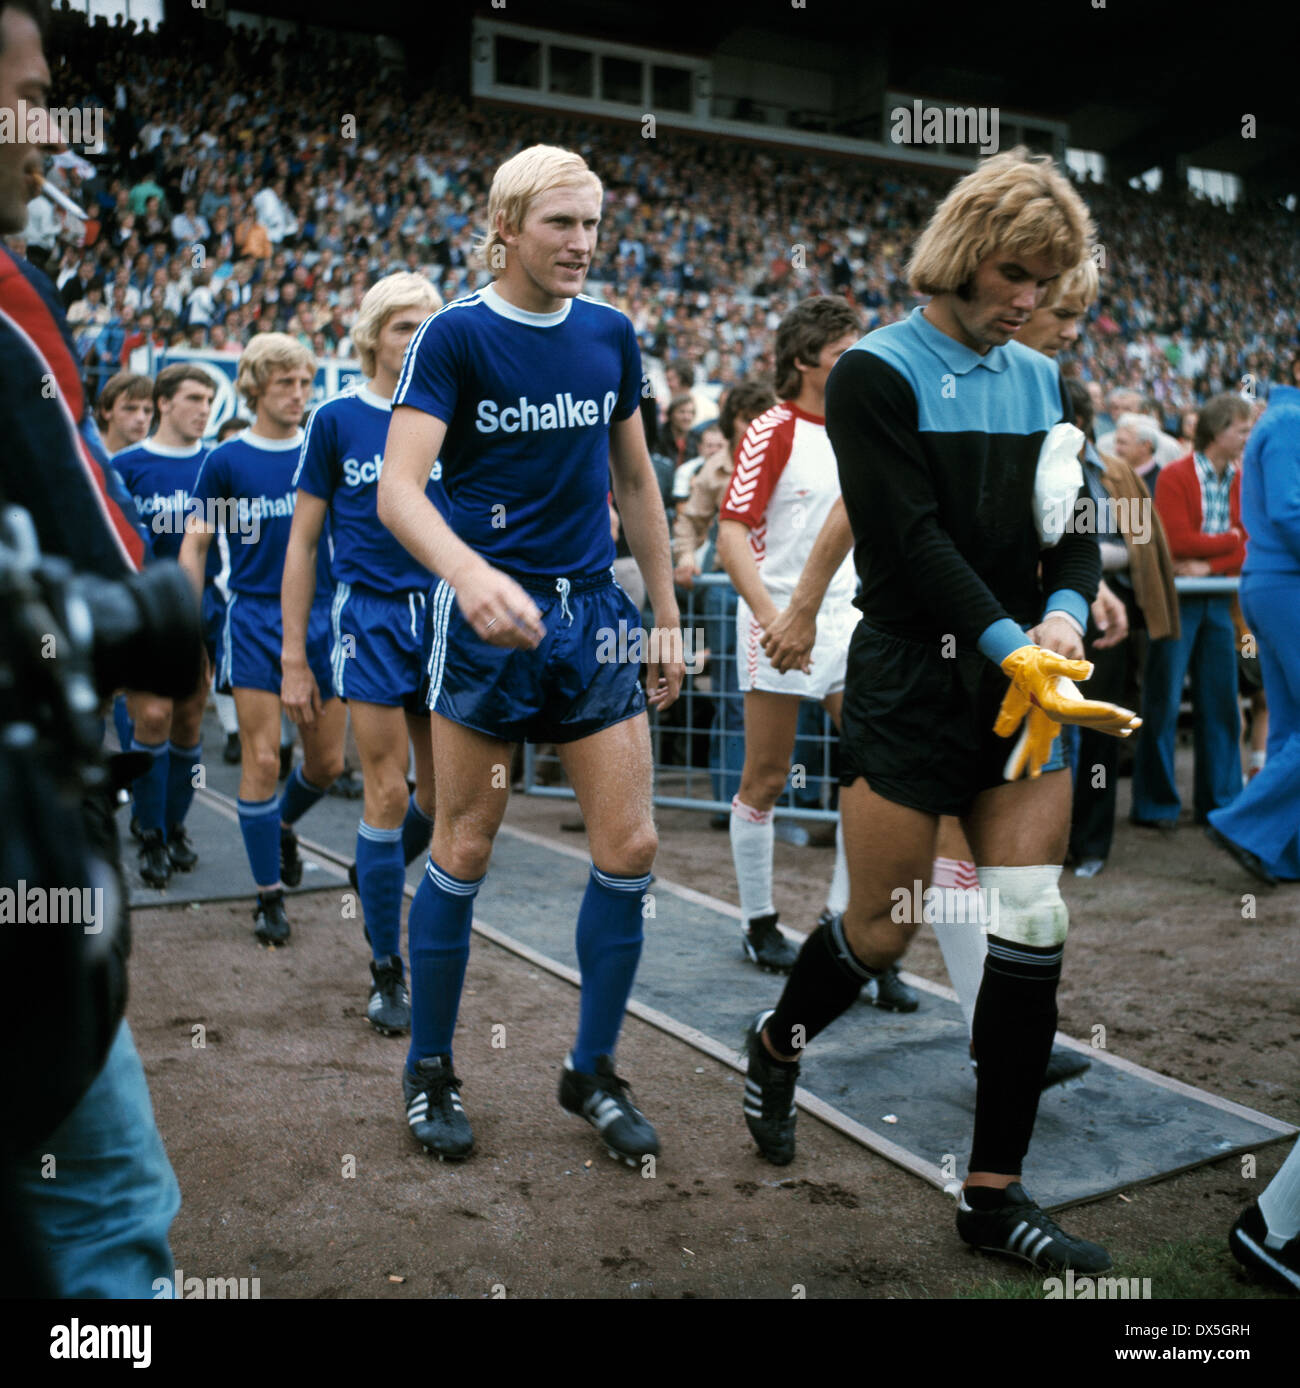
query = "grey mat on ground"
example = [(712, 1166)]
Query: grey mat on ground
[(1106, 1131), (222, 872)]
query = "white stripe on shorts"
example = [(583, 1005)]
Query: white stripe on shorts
[(444, 595)]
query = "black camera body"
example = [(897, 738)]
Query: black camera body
[(67, 641)]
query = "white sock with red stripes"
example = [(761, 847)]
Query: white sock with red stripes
[(837, 899), (963, 943), (752, 838)]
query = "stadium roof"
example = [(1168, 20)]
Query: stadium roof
[(1141, 81)]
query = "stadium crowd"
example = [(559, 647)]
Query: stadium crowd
[(265, 185)]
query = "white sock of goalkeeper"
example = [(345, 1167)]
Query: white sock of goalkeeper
[(963, 943), (837, 899), (752, 841), (1280, 1202)]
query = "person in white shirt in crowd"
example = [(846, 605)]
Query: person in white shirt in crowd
[(188, 226)]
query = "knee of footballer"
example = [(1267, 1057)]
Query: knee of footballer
[(322, 772), (152, 718), (634, 856), (877, 941), (261, 765), (386, 799), (462, 851)]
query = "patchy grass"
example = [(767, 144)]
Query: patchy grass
[(1189, 1269)]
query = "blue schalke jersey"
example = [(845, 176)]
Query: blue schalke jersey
[(160, 480), (254, 476), (528, 400), (342, 458)]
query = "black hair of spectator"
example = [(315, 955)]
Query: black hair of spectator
[(1081, 406), (38, 11), (685, 373)]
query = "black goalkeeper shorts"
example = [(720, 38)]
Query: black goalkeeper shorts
[(918, 724)]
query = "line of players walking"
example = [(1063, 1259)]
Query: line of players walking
[(526, 395)]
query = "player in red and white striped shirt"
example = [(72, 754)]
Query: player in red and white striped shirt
[(783, 487)]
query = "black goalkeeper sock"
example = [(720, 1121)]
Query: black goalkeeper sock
[(824, 982), (1015, 1021)]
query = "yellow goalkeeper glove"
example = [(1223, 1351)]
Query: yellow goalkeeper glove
[(1043, 689)]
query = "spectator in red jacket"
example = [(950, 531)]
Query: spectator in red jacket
[(1198, 499)]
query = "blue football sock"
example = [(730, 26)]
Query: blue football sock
[(438, 928), (123, 724), (609, 949), (150, 790), (181, 762), (259, 822), (381, 875), (417, 830), (299, 796)]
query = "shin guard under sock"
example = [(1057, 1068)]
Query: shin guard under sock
[(1015, 1022)]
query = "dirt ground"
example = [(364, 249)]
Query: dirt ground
[(287, 1132)]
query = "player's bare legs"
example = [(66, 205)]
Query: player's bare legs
[(470, 796), (888, 846), (322, 746), (611, 773)]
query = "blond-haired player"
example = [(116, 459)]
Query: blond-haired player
[(377, 619), (245, 487), (939, 423), (529, 392)]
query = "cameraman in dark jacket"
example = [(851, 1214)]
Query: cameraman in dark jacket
[(87, 1194)]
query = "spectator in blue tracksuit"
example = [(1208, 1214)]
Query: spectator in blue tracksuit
[(1263, 822)]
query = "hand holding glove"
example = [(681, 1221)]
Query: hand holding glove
[(1043, 690)]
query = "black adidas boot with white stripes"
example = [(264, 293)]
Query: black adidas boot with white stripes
[(605, 1101), (389, 1005), (769, 1097), (1019, 1228), (434, 1109), (765, 946)]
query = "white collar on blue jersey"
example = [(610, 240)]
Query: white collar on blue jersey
[(270, 445), (497, 304), (363, 392), (164, 451)]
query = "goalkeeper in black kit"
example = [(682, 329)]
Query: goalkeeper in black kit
[(961, 486)]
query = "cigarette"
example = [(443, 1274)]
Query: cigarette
[(56, 194)]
